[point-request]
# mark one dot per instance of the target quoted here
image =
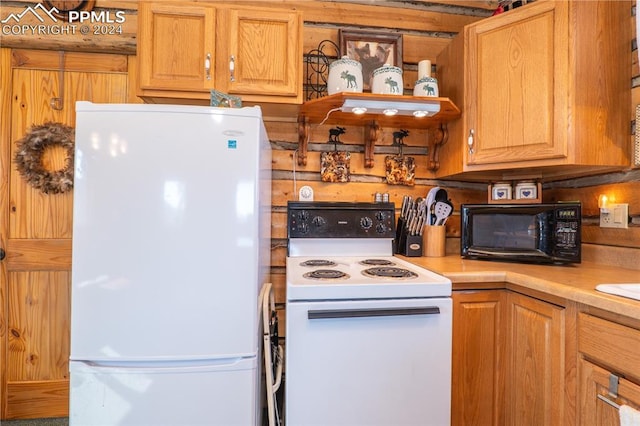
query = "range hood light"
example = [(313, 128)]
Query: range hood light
[(391, 107)]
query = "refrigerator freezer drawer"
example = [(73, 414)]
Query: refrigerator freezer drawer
[(164, 396)]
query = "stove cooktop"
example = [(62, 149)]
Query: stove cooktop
[(360, 277)]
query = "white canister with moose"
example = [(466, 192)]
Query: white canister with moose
[(426, 84), (387, 80), (345, 75)]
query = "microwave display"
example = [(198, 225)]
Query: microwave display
[(540, 233), (505, 231)]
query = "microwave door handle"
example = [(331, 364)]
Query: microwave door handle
[(365, 313)]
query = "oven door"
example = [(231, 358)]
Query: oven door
[(373, 362)]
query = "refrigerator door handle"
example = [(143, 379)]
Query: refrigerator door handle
[(226, 364), (363, 313)]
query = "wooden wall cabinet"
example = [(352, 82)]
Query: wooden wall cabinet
[(540, 89), (608, 369), (188, 49), (508, 362)]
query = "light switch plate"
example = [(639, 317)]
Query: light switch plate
[(615, 216)]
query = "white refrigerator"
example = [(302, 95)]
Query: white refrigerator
[(171, 246)]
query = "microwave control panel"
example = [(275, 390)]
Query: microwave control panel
[(567, 228)]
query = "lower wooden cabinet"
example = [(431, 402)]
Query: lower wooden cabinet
[(596, 403), (534, 362), (508, 362), (608, 368), (478, 335)]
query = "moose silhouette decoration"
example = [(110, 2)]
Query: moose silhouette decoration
[(393, 85), (351, 79), (398, 137), (334, 134)]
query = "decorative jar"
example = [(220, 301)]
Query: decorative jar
[(526, 190), (387, 80), (501, 191), (426, 86), (345, 75)]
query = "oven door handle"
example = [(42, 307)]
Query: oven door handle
[(363, 313)]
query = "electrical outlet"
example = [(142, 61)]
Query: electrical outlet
[(615, 216)]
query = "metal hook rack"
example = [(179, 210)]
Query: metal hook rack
[(317, 68)]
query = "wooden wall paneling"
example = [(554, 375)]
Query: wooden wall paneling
[(623, 192), (132, 77), (51, 254), (102, 37), (608, 237), (378, 15), (480, 4), (36, 285), (38, 347), (73, 61), (33, 213), (5, 166)]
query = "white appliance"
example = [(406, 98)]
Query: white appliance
[(368, 335), (171, 247)]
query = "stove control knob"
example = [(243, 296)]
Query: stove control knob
[(380, 216), (303, 215), (303, 227), (381, 228), (366, 222), (319, 221)]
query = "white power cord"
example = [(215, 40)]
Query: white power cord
[(295, 153)]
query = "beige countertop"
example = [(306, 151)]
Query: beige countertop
[(572, 282)]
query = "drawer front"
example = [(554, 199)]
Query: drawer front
[(610, 344)]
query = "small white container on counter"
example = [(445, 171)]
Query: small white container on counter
[(526, 190), (501, 191)]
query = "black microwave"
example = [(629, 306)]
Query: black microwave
[(537, 233)]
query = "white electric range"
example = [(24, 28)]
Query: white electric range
[(368, 335)]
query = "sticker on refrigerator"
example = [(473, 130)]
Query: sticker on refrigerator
[(232, 144)]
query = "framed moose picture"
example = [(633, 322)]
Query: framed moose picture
[(372, 50)]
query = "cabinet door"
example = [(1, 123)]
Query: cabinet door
[(176, 46), (535, 362), (594, 394), (517, 85), (264, 53), (477, 382)]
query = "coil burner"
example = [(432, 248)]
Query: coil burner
[(326, 274), (315, 263), (389, 272), (377, 262)]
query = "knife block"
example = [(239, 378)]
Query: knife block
[(407, 245)]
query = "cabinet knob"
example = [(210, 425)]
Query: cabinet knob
[(3, 254), (207, 66), (232, 68), (470, 141)]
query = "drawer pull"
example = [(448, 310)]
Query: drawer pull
[(608, 401), (363, 313), (207, 66)]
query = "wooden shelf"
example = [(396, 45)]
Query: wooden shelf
[(316, 110), (327, 110)]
